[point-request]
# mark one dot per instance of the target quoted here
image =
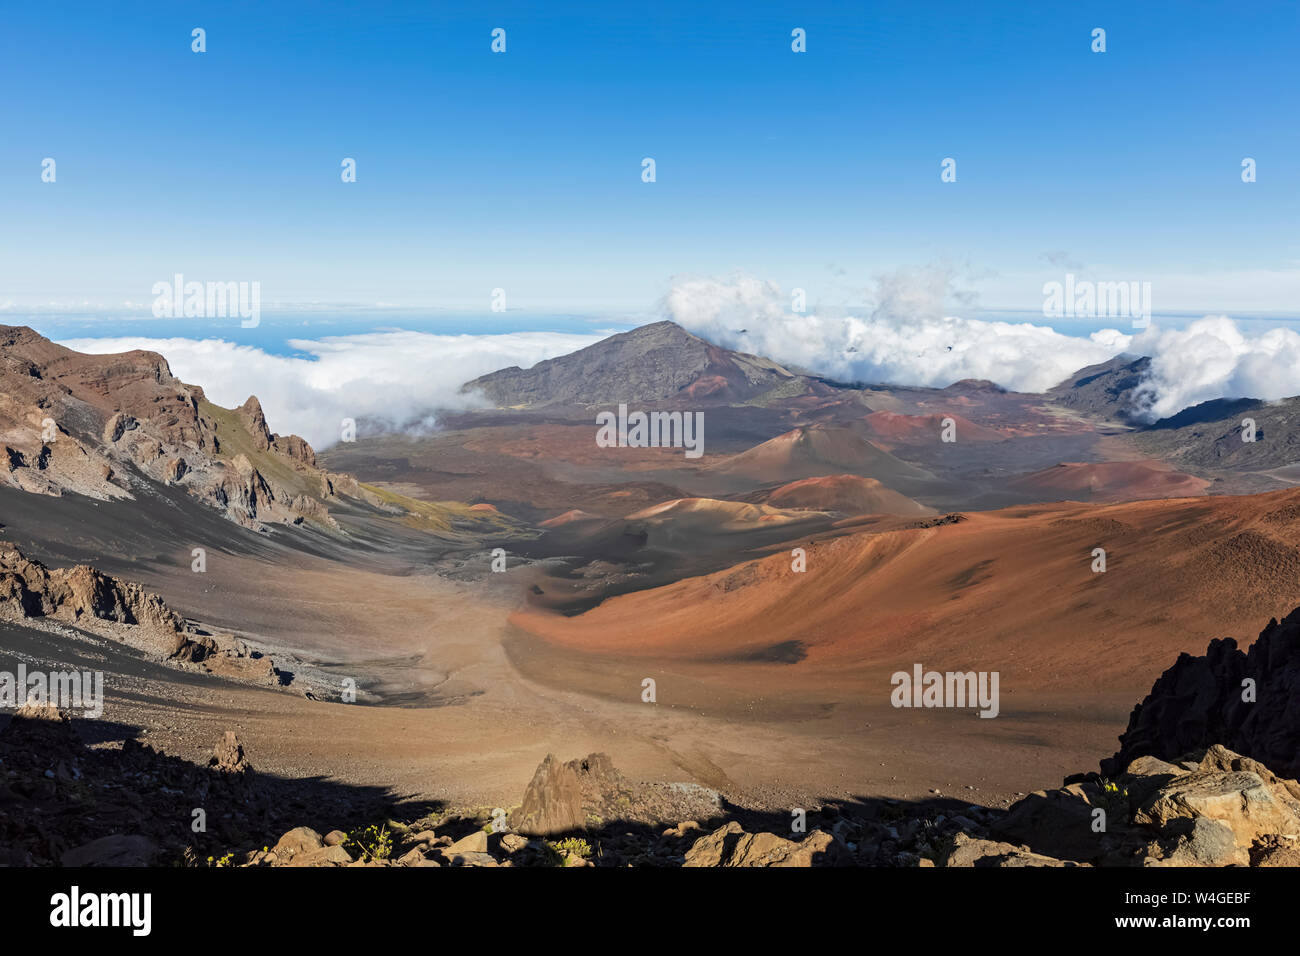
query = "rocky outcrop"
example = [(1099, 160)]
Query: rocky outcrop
[(566, 797), (73, 423), (28, 589), (732, 846), (228, 755), (553, 801), (1210, 809), (254, 421), (1245, 701), (91, 600), (295, 449)]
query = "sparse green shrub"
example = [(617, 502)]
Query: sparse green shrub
[(371, 843)]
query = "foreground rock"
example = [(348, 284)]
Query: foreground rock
[(590, 792), (970, 851), (62, 803), (1210, 808), (732, 846)]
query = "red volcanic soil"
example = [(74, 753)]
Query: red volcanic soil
[(1012, 591), (706, 385), (1110, 481), (813, 451), (909, 429), (569, 517), (851, 494), (484, 506)]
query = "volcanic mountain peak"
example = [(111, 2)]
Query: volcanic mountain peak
[(649, 364)]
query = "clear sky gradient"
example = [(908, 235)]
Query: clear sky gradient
[(523, 170)]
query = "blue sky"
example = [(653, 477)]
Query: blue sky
[(522, 171)]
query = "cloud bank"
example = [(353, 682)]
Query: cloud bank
[(396, 378), (903, 337), (1213, 358)]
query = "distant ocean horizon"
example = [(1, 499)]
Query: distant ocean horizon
[(278, 329)]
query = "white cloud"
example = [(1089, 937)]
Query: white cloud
[(1213, 358), (398, 377), (904, 338)]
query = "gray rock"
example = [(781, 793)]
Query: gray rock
[(297, 841), (969, 851), (476, 842), (114, 850), (552, 803)]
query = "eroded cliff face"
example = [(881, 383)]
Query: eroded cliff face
[(96, 424)]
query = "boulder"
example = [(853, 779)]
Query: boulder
[(476, 842), (971, 851), (1208, 843), (1145, 776), (114, 850), (513, 842), (1060, 823), (1239, 800), (731, 846), (298, 841), (320, 856)]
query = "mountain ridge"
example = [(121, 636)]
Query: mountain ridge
[(652, 363)]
